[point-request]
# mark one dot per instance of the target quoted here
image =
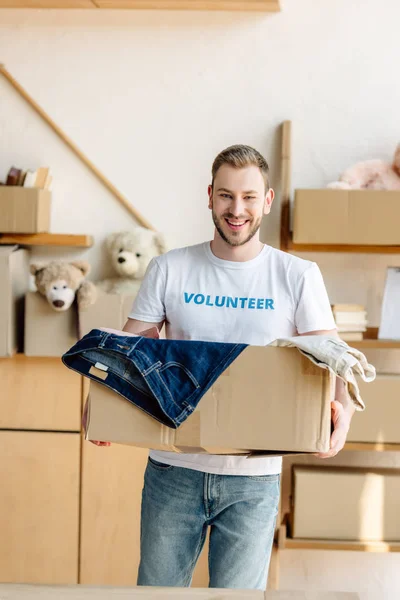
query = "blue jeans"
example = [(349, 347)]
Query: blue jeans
[(178, 506), (165, 378)]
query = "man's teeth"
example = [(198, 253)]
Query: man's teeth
[(237, 223)]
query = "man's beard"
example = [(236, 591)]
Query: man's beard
[(233, 240)]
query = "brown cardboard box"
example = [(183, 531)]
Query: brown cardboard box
[(379, 423), (47, 332), (109, 310), (24, 210), (328, 216), (270, 399), (344, 503), (83, 592), (14, 283), (41, 394)]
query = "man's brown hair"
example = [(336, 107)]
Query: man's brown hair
[(240, 156)]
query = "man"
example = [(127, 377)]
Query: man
[(202, 292)]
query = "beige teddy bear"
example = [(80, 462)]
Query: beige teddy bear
[(130, 253), (60, 282), (372, 174)]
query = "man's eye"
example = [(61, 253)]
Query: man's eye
[(249, 197), (225, 195)]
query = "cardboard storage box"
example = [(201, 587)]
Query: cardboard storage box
[(14, 283), (380, 422), (344, 503), (269, 399), (109, 310), (24, 210), (41, 394), (47, 331), (83, 592), (328, 216)]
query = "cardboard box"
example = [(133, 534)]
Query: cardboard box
[(47, 332), (344, 503), (14, 283), (41, 395), (24, 210), (82, 592), (109, 310), (379, 423), (270, 400), (328, 216)]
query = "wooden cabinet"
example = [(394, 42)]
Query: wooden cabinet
[(39, 507), (39, 393)]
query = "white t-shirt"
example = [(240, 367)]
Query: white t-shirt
[(202, 297)]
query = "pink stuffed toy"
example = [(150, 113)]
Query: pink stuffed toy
[(371, 175)]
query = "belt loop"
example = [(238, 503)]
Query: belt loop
[(105, 338)]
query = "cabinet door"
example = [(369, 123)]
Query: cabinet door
[(39, 507), (39, 393), (112, 483)]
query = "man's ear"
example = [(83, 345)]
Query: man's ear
[(269, 198), (210, 192)]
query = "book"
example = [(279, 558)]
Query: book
[(347, 307), (353, 336), (350, 317), (348, 327)]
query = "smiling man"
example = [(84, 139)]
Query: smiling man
[(232, 289)]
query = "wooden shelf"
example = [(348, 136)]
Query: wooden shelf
[(286, 543), (292, 247), (371, 447), (371, 341), (48, 239), (298, 544), (226, 5)]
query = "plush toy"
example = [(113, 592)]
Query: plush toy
[(60, 282), (130, 253), (371, 175)]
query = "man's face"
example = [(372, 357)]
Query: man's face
[(238, 202)]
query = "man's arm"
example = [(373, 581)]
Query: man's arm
[(135, 326), (342, 408)]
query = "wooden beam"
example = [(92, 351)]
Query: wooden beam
[(229, 5), (285, 184), (117, 194), (48, 239)]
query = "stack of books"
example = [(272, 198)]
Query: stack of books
[(351, 321)]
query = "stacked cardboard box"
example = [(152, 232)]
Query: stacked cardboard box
[(25, 201), (14, 283), (346, 503)]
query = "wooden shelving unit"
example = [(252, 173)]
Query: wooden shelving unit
[(284, 542), (371, 341), (226, 5), (48, 239), (286, 238), (373, 447)]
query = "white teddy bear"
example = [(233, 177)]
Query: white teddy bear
[(130, 253)]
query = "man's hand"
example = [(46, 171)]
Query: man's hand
[(341, 424), (84, 423)]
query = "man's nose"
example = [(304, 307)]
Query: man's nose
[(237, 207)]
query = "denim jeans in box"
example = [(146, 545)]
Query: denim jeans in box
[(164, 378)]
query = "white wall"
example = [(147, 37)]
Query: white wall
[(151, 97)]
